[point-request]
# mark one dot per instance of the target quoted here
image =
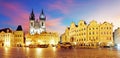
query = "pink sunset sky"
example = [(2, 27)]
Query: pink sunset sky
[(59, 13)]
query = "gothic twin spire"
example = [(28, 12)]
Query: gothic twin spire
[(41, 17)]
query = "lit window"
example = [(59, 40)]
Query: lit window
[(110, 38), (110, 27), (107, 27), (89, 28), (96, 28), (93, 33), (89, 33)]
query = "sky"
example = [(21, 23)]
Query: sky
[(59, 13)]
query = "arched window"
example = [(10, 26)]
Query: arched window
[(31, 23), (42, 23)]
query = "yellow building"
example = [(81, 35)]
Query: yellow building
[(43, 38), (92, 35), (72, 32), (6, 37), (106, 34), (66, 36), (10, 38), (81, 33), (19, 37)]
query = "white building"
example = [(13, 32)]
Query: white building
[(37, 25), (117, 37)]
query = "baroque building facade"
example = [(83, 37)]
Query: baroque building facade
[(92, 35), (6, 37), (10, 38), (19, 37)]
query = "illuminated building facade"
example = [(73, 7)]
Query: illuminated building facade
[(6, 37), (19, 37), (37, 26), (91, 35), (37, 34), (65, 36), (106, 34), (117, 37), (9, 37), (43, 38)]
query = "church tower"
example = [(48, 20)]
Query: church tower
[(42, 18), (32, 22), (37, 25)]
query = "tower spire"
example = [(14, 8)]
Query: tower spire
[(32, 12), (42, 12), (32, 16), (42, 16)]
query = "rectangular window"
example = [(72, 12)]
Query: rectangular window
[(93, 33), (110, 27), (96, 28), (89, 28), (89, 33), (107, 27)]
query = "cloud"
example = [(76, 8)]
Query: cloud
[(110, 12), (62, 6), (55, 25), (16, 13), (19, 16)]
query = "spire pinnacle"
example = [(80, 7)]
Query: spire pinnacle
[(32, 16), (32, 12), (42, 12), (42, 16)]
